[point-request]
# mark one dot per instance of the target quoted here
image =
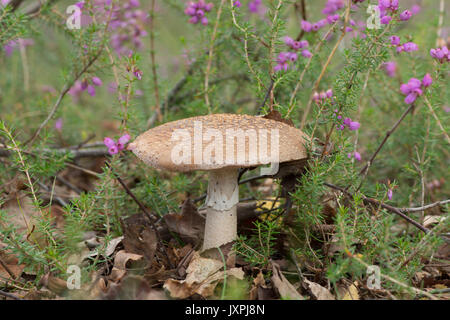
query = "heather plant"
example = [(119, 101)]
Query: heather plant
[(371, 97)]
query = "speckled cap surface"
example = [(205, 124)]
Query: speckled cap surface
[(218, 141)]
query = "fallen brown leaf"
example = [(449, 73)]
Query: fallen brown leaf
[(283, 286)]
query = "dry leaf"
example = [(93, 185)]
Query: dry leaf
[(189, 224), (202, 278), (283, 286), (351, 293), (121, 263), (139, 237), (319, 292)]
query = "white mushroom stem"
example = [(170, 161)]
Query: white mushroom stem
[(221, 203)]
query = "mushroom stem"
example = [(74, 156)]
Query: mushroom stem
[(221, 203)]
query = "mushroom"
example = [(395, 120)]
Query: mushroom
[(220, 144)]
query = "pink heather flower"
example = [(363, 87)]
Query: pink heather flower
[(391, 5), (91, 90), (306, 53), (412, 90), (122, 141), (10, 46), (5, 2), (390, 68), (197, 11), (59, 124), (405, 15), (441, 54), (355, 154), (306, 26), (316, 97), (427, 80), (386, 20), (138, 74), (113, 150), (96, 81), (332, 6), (354, 125), (410, 46), (113, 147), (288, 41), (347, 121), (254, 6), (292, 56), (332, 18), (329, 93), (390, 193), (415, 9), (237, 4), (395, 40), (109, 142)]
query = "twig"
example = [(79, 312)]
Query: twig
[(366, 168), (383, 205), (9, 295), (11, 274), (427, 102), (64, 91), (90, 152), (425, 207), (142, 207), (68, 85)]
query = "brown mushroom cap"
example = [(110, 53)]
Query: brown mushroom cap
[(155, 146)]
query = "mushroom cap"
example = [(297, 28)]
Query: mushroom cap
[(202, 143)]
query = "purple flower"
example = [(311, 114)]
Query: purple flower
[(390, 193), (254, 6), (405, 15), (113, 147), (391, 5), (410, 46), (386, 20), (306, 26), (441, 54), (109, 142), (97, 81), (306, 53), (332, 18), (427, 80), (390, 68), (91, 90), (59, 124), (138, 74), (412, 90), (237, 4), (197, 11), (122, 141), (288, 41), (354, 125), (355, 154), (415, 9), (332, 6), (395, 40)]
